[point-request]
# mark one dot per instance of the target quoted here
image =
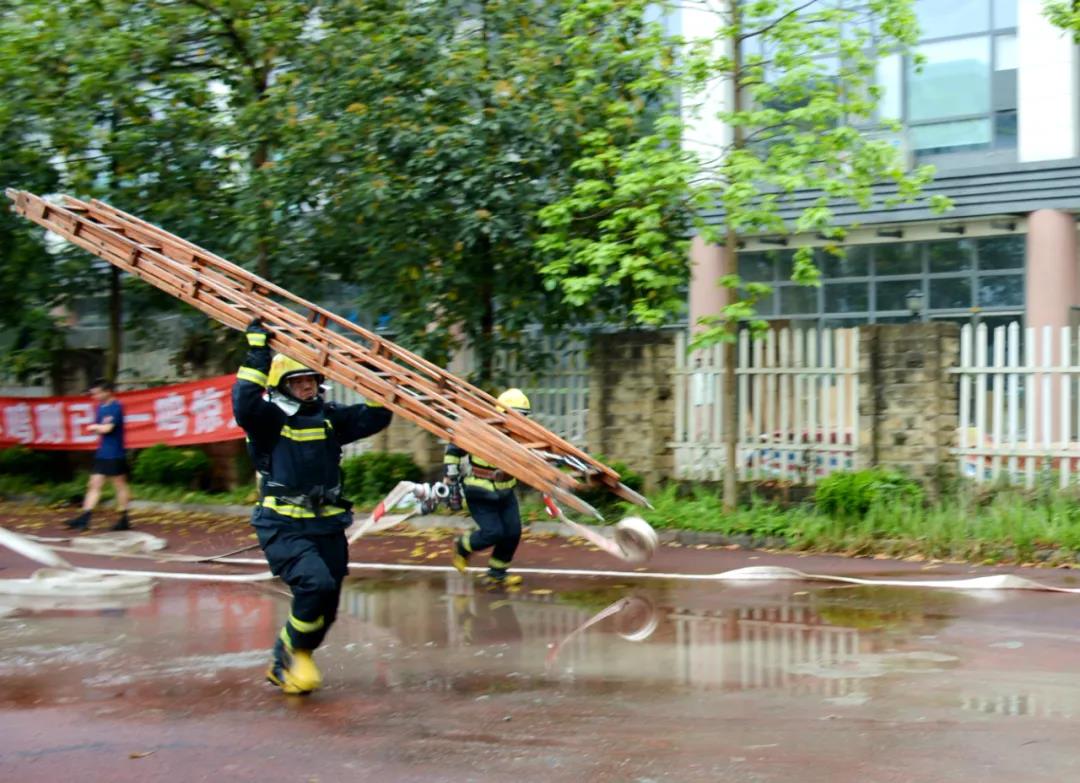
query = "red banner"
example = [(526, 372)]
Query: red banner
[(195, 412)]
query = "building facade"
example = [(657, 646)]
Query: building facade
[(995, 108)]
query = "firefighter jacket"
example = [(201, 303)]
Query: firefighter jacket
[(477, 476), (298, 456)]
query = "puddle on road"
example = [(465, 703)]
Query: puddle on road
[(850, 648)]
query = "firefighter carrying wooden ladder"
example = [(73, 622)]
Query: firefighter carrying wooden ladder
[(405, 383)]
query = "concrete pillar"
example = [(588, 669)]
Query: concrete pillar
[(1048, 87), (1052, 281), (631, 404), (708, 263), (908, 399)]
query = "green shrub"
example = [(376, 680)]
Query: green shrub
[(852, 495), (170, 466), (369, 477), (21, 461), (603, 500)]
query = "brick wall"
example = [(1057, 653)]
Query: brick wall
[(908, 402), (631, 405)]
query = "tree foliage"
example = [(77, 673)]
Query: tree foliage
[(435, 136), (399, 149), (798, 77)]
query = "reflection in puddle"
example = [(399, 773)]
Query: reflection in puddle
[(851, 648)]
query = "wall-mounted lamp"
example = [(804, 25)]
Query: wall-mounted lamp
[(782, 241), (894, 233), (954, 229), (914, 302)]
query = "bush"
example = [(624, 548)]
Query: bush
[(370, 477), (170, 466), (602, 499), (21, 461), (852, 495)]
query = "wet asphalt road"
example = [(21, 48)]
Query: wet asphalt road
[(431, 677)]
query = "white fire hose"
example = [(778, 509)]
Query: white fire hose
[(632, 543)]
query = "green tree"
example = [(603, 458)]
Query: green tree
[(162, 107), (1065, 14), (798, 83), (431, 140)]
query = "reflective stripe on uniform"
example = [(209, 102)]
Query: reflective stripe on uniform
[(450, 459), (490, 486), (497, 563), (251, 374), (306, 627), (297, 512), (306, 434)]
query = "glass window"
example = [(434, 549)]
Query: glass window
[(1005, 57), (756, 267), (785, 263), (1001, 291), (766, 305), (950, 293), (892, 294), (855, 263), (954, 80), (847, 297), (889, 73), (940, 18), (957, 256), (842, 323), (1005, 130), (1005, 13), (798, 299), (899, 259), (1001, 252), (951, 136)]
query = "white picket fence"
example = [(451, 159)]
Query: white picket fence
[(798, 402), (560, 394), (1019, 409)]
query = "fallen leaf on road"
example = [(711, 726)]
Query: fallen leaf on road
[(140, 754)]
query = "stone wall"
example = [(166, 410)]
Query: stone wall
[(908, 399), (631, 405)]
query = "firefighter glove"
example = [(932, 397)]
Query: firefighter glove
[(257, 334), (454, 500)]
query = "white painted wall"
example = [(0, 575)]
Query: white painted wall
[(1048, 88), (706, 134)]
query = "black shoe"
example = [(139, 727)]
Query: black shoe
[(81, 522), (122, 523)]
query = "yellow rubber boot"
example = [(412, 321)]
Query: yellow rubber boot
[(302, 675), (461, 557), (293, 671)]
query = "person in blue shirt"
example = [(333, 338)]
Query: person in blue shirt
[(110, 459)]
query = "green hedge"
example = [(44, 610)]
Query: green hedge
[(21, 461), (170, 466), (370, 477)]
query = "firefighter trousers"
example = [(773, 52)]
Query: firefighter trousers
[(499, 521), (313, 566)]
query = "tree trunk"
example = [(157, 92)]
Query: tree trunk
[(731, 392), (731, 248)]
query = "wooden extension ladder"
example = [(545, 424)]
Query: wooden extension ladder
[(408, 385)]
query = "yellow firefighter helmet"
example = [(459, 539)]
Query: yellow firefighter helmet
[(514, 399), (282, 368)]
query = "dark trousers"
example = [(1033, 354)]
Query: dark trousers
[(313, 566), (500, 525)]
